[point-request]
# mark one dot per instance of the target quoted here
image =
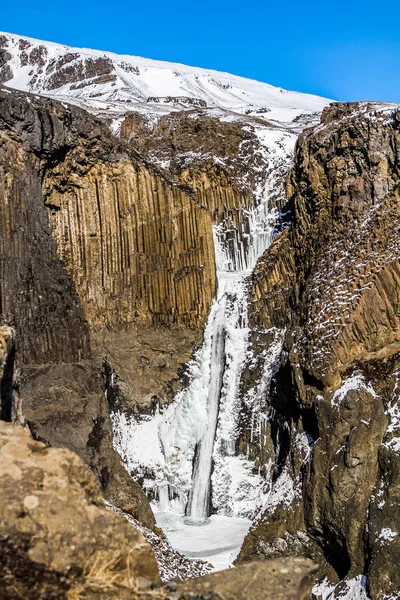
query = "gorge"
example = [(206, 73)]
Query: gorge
[(200, 275)]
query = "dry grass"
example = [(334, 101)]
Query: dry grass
[(104, 573)]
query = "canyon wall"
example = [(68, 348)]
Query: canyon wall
[(332, 281), (97, 249)]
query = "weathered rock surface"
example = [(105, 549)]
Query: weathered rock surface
[(215, 158), (332, 279), (57, 539), (272, 580), (65, 406)]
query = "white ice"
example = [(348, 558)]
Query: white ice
[(216, 540)]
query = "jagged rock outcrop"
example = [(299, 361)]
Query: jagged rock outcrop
[(332, 279), (57, 539), (210, 155), (137, 246), (224, 162)]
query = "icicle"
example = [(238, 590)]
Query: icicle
[(200, 495)]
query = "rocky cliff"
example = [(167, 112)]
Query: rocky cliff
[(95, 243), (332, 280)]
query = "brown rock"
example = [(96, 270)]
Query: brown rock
[(56, 534), (278, 579), (65, 406)]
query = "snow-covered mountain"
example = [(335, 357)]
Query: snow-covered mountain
[(104, 81)]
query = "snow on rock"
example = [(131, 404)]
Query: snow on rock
[(392, 435), (355, 382), (349, 589), (282, 492), (387, 534), (104, 81)]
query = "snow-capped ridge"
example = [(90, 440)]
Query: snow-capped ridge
[(100, 80)]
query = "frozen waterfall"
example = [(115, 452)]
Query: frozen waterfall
[(237, 250), (185, 453), (200, 495)]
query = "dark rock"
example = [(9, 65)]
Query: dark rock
[(332, 279)]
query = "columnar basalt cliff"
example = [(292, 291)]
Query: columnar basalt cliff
[(224, 161), (332, 280), (209, 155), (93, 241)]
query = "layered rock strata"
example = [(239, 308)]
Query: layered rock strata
[(332, 280)]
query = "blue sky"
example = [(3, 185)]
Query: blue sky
[(346, 50)]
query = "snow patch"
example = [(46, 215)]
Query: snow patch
[(387, 534), (355, 382), (350, 589)]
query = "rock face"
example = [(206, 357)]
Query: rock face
[(273, 580), (65, 406), (49, 154), (332, 280), (129, 248), (57, 539)]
